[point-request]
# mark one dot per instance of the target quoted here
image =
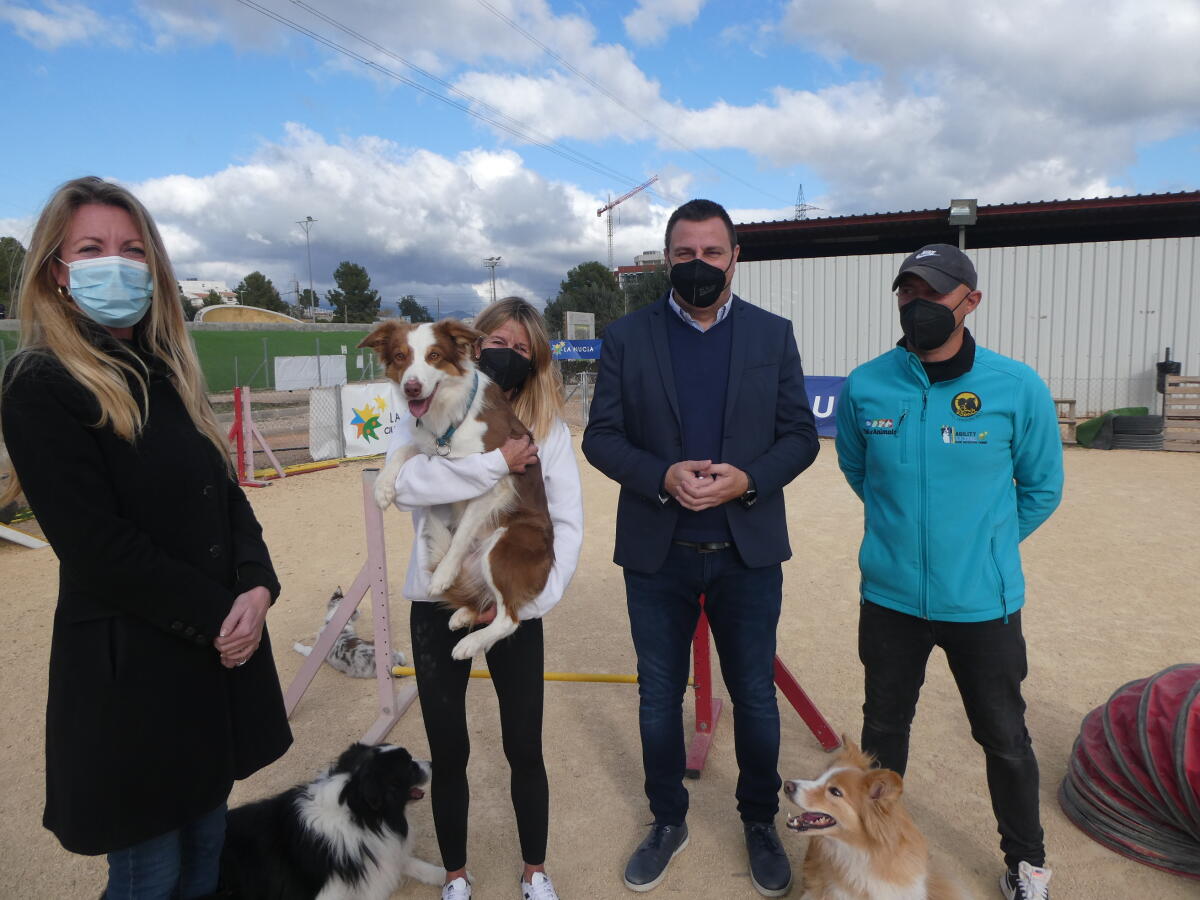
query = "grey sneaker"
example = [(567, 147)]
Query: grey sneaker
[(648, 865), (770, 871), (1027, 883)]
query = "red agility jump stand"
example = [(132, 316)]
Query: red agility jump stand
[(244, 433), (708, 707), (372, 577)]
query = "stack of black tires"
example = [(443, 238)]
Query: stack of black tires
[(1137, 432)]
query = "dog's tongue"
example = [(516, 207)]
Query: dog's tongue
[(418, 408), (416, 793)]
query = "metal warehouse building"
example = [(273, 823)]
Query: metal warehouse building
[(1088, 292)]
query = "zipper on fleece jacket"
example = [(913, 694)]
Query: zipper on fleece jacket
[(923, 525)]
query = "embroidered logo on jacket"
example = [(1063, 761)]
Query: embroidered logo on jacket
[(951, 435), (879, 426), (966, 404)]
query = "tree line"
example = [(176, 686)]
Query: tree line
[(589, 287)]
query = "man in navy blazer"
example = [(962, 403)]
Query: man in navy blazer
[(700, 414)]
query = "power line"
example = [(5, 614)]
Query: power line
[(617, 100), (499, 120)]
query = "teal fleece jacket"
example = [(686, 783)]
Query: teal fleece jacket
[(953, 476)]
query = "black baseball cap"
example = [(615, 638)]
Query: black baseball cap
[(943, 266)]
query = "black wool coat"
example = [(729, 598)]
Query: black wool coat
[(145, 729)]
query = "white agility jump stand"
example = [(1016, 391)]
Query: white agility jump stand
[(372, 577), (20, 537)]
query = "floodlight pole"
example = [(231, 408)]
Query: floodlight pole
[(962, 214), (490, 263), (306, 223)]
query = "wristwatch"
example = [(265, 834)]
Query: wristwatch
[(749, 498)]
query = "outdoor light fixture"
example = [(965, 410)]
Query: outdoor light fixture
[(962, 214)]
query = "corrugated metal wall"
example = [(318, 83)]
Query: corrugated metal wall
[(1092, 319)]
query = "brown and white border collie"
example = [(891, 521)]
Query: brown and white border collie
[(863, 845), (498, 548)]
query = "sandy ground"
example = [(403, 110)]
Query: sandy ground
[(1112, 585)]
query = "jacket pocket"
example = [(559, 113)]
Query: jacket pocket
[(999, 575), (902, 434)]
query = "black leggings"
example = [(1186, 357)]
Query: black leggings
[(516, 667)]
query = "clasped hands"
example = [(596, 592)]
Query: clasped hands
[(241, 632), (701, 484)]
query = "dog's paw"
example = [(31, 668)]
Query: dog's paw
[(426, 873), (385, 491), (464, 617), (471, 646), (440, 580)]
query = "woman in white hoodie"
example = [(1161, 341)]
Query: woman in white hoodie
[(516, 355)]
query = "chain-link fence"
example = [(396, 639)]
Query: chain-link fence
[(578, 387), (283, 360)]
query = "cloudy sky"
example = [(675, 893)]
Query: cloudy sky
[(424, 136)]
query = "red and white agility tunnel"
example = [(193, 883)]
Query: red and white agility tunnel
[(1133, 780)]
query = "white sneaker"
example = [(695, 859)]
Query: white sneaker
[(458, 889), (1029, 883), (540, 889)]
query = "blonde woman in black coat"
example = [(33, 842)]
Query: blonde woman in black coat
[(162, 686)]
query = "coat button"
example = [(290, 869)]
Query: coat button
[(208, 490), (201, 640), (215, 550), (177, 626), (189, 631)]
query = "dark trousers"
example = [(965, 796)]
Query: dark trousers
[(988, 662), (742, 605), (516, 667)]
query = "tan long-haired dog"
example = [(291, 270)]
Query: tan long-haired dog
[(863, 843), (498, 548)]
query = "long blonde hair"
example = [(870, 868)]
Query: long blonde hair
[(52, 324), (540, 401)]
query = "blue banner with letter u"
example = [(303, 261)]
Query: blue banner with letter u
[(823, 391)]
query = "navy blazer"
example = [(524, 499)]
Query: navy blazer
[(634, 433)]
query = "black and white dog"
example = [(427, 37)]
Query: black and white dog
[(343, 836)]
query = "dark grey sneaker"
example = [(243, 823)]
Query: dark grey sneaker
[(648, 865), (770, 870)]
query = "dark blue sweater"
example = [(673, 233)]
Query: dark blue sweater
[(700, 361)]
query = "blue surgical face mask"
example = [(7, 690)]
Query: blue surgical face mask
[(112, 290)]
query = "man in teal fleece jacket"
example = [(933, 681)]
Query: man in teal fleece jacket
[(955, 453)]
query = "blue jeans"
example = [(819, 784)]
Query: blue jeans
[(987, 660), (179, 865), (742, 605)]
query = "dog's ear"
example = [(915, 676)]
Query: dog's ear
[(379, 338), (883, 786), (463, 336), (854, 755), (352, 757)]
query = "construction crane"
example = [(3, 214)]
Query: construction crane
[(608, 208)]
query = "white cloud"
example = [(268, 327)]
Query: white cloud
[(1022, 101), (418, 221), (653, 19), (56, 24)]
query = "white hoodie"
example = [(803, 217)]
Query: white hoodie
[(426, 481)]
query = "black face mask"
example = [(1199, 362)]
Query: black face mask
[(698, 283), (505, 366), (928, 325)]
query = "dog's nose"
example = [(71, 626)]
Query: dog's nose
[(790, 787), (412, 388)]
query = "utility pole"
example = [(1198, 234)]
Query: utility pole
[(306, 223), (490, 263)]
